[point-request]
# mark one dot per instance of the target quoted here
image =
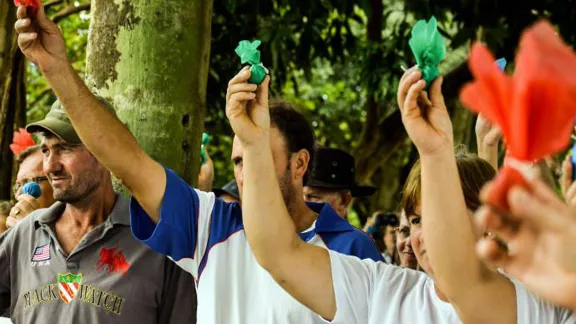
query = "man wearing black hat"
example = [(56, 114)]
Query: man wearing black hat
[(333, 180), (229, 193)]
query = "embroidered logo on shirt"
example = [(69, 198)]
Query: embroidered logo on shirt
[(68, 286), (114, 260), (41, 253)]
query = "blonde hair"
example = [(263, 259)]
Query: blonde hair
[(474, 173)]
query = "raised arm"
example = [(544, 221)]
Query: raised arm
[(268, 226), (475, 291), (102, 133), (487, 139)]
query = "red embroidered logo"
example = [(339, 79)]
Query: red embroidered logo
[(114, 259)]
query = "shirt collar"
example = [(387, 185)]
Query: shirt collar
[(120, 214), (328, 220)]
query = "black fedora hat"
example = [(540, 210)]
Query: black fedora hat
[(336, 169), (230, 188)]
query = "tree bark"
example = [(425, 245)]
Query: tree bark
[(150, 58), (7, 89)]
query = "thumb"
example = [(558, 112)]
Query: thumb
[(436, 96), (43, 21), (262, 92)]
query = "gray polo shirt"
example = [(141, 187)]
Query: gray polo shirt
[(110, 277)]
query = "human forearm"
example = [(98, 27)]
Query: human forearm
[(108, 139), (269, 227), (488, 153), (449, 234)]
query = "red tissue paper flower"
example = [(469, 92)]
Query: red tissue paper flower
[(28, 3), (535, 107), (22, 140)]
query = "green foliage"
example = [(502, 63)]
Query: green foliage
[(337, 59), (38, 94)]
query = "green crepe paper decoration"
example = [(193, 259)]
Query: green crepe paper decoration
[(249, 53), (205, 141), (428, 48)]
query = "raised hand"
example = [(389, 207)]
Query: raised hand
[(567, 185), (540, 233), (40, 40), (247, 108), (487, 139), (26, 205), (426, 119)]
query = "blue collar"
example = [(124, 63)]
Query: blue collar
[(328, 221)]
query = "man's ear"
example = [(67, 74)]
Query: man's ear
[(301, 160)]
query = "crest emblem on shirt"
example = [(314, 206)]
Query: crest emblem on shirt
[(68, 286)]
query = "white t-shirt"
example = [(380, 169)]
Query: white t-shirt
[(370, 292)]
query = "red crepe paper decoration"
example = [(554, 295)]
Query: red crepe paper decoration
[(535, 107), (22, 140), (28, 3), (114, 260)]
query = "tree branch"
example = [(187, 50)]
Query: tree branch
[(68, 11), (51, 4), (40, 96)]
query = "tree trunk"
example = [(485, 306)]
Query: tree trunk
[(7, 102), (150, 58)]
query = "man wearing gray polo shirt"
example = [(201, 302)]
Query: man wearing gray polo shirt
[(77, 262)]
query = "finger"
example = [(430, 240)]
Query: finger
[(411, 107), (405, 85), (241, 87), (492, 253), (539, 214), (21, 12), (25, 39), (25, 208), (496, 223), (11, 221), (544, 193), (566, 178), (436, 96), (30, 200), (570, 196), (423, 99), (22, 25), (43, 21), (408, 72), (240, 97), (485, 191), (241, 77), (262, 92)]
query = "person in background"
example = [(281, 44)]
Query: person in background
[(30, 169), (384, 234), (404, 244), (4, 211), (229, 193), (333, 180)]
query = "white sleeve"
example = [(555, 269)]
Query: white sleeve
[(533, 309), (353, 280)]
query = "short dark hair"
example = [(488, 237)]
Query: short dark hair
[(26, 153), (295, 129)]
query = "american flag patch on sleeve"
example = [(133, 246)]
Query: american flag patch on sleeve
[(41, 253)]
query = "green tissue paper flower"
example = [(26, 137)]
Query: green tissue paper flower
[(428, 48), (249, 53)]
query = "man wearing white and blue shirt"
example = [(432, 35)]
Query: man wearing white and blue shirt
[(205, 235)]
